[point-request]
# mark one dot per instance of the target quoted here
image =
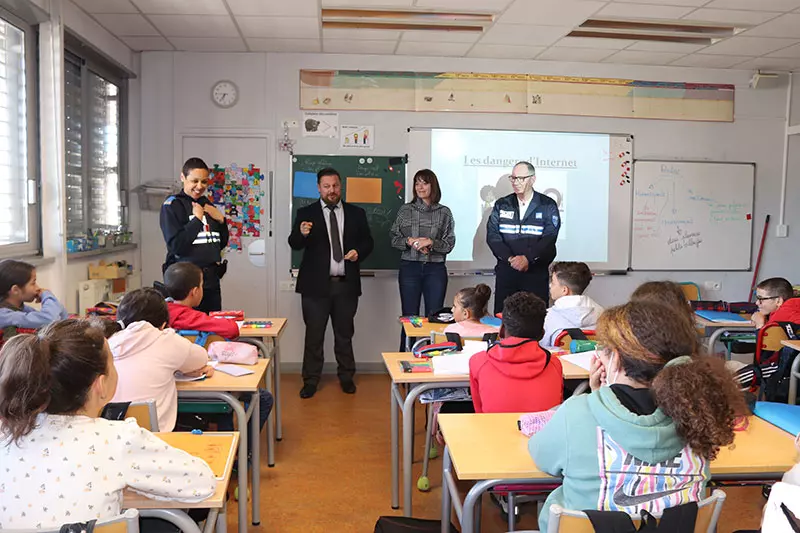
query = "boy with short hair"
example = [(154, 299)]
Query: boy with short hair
[(184, 283), (571, 308), (775, 301), (517, 375)]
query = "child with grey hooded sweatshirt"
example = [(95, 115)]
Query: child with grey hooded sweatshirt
[(571, 308)]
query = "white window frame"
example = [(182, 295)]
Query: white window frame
[(33, 245)]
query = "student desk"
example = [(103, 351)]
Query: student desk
[(223, 386), (424, 332), (720, 328), (252, 335), (489, 449), (418, 383), (217, 449), (794, 375)]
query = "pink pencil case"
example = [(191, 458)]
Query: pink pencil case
[(237, 353), (530, 423)]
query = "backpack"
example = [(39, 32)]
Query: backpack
[(401, 524), (679, 519), (769, 375)]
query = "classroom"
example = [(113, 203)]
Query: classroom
[(111, 97)]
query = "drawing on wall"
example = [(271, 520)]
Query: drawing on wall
[(320, 124), (238, 190), (357, 137)]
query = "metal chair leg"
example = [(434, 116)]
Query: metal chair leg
[(512, 515), (424, 483)]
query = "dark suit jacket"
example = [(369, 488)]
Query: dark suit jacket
[(314, 276)]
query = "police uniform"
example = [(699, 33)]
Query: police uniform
[(532, 234), (198, 241)]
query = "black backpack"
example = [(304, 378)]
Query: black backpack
[(679, 519), (401, 524)]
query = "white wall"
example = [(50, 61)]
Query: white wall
[(175, 97)]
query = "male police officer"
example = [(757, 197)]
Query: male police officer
[(522, 232)]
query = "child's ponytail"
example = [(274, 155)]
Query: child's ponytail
[(24, 384)]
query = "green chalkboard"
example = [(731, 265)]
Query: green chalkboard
[(380, 200)]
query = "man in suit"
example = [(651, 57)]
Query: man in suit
[(522, 232), (335, 238)]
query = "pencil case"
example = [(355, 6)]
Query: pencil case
[(531, 423), (233, 352), (414, 367), (431, 350), (232, 315)]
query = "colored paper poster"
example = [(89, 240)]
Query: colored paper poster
[(305, 185), (320, 124), (238, 191), (363, 190), (357, 137)]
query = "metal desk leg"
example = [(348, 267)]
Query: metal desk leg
[(394, 407), (276, 369), (447, 465), (211, 520), (255, 468), (222, 521), (270, 381), (715, 336), (174, 516), (473, 498), (241, 420)]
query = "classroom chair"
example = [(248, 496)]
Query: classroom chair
[(565, 521), (127, 522), (691, 290), (423, 483), (197, 407), (145, 414), (564, 338)]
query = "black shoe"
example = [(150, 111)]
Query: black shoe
[(308, 391), (348, 387)]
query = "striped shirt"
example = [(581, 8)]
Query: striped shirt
[(417, 219)]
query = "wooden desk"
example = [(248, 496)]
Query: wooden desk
[(262, 335), (217, 449), (720, 328), (424, 332), (794, 373), (220, 386), (489, 448), (421, 382)]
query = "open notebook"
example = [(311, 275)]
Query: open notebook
[(457, 363)]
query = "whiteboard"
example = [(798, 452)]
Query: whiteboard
[(692, 215)]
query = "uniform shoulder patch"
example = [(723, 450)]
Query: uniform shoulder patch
[(168, 201), (555, 220)]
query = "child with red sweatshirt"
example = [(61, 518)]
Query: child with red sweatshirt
[(517, 375), (184, 282)]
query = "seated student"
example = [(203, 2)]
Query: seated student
[(18, 287), (184, 284), (657, 415), (517, 374), (470, 305), (147, 355), (774, 297), (666, 293), (60, 455), (571, 308)]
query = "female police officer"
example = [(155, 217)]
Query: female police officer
[(196, 231)]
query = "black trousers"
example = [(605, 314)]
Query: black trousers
[(508, 281), (341, 306), (212, 294)]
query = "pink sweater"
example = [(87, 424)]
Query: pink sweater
[(467, 328)]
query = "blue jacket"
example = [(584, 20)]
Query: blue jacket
[(532, 234), (614, 460), (198, 241), (28, 317)]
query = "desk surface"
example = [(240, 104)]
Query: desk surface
[(422, 332), (222, 382), (278, 325), (489, 446), (217, 449), (392, 362), (704, 323), (794, 345)]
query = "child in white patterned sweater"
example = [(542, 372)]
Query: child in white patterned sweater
[(59, 459)]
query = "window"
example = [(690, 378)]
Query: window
[(19, 226), (93, 171)]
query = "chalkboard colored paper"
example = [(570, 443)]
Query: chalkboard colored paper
[(305, 185), (380, 203), (692, 215)]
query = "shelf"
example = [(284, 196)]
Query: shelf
[(103, 251)]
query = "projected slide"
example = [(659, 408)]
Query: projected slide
[(473, 168)]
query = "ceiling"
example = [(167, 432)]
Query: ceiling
[(523, 29)]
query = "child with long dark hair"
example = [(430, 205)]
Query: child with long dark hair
[(18, 287)]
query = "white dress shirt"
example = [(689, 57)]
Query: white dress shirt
[(337, 268)]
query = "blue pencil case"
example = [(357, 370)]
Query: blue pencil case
[(786, 417)]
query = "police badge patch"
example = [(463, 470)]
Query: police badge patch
[(555, 220)]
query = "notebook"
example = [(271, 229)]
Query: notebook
[(786, 417), (234, 370), (582, 359), (721, 316)]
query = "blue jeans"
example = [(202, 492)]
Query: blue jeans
[(419, 280)]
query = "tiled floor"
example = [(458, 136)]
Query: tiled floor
[(332, 468)]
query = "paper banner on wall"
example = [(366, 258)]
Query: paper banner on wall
[(238, 191), (320, 124), (364, 190), (357, 137)]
